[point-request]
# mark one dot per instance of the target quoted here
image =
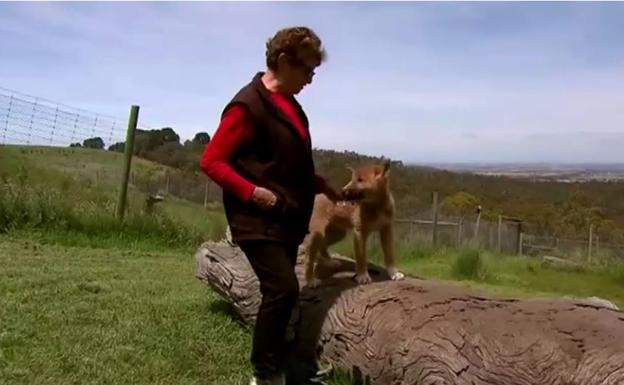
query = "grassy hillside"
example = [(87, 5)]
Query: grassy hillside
[(45, 164), (67, 182)]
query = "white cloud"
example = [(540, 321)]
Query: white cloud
[(443, 82)]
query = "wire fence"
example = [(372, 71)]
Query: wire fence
[(31, 120), (504, 236), (35, 121)]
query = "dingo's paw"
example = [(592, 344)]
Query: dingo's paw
[(397, 276), (394, 274), (363, 279)]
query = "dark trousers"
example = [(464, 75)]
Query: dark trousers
[(274, 265)]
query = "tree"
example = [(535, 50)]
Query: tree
[(201, 138), (96, 143), (199, 142), (167, 153), (146, 141), (118, 147), (461, 203), (578, 213)]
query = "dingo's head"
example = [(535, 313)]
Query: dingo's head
[(368, 183)]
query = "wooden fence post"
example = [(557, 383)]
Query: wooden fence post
[(435, 218), (520, 242), (589, 246), (476, 231), (499, 233), (519, 237), (128, 150), (460, 223)]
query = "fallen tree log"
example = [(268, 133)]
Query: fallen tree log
[(421, 332)]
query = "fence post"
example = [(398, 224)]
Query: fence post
[(499, 233), (460, 223), (589, 246), (476, 231), (520, 242), (519, 237), (6, 123), (167, 184), (435, 218), (128, 149)]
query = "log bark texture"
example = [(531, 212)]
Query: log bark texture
[(425, 332)]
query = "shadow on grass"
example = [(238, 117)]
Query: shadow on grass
[(223, 308)]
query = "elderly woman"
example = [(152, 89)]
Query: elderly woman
[(261, 156)]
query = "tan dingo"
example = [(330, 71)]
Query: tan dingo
[(373, 212)]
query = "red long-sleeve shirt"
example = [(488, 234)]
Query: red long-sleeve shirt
[(235, 130)]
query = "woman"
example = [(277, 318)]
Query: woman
[(261, 156)]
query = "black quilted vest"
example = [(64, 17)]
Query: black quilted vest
[(279, 159)]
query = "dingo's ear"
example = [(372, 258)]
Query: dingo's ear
[(386, 168)]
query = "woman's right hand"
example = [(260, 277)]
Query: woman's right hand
[(263, 198)]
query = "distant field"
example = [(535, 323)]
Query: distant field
[(546, 172)]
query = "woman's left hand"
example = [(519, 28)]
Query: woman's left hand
[(332, 194)]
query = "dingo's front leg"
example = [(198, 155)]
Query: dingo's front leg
[(312, 250), (386, 236), (361, 264)]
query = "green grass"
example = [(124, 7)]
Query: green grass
[(73, 315), (118, 315), (469, 264), (502, 275), (137, 315), (77, 218)]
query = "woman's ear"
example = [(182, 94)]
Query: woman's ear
[(282, 61)]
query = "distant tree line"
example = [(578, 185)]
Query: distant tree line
[(548, 208), (160, 145)]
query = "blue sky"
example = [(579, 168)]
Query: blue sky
[(420, 82)]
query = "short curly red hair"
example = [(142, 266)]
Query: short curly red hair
[(294, 41)]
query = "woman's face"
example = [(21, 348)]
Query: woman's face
[(296, 73)]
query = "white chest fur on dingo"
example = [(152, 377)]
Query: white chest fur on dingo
[(373, 212)]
